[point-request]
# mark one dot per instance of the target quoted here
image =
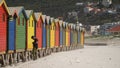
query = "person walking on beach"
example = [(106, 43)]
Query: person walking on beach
[(35, 47)]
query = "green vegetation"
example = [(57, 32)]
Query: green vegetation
[(60, 8)]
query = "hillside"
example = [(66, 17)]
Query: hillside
[(55, 8)]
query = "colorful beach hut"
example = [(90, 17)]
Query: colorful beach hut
[(52, 33), (39, 22), (17, 29), (82, 37), (71, 34), (75, 34), (57, 33), (44, 36), (67, 34), (78, 34), (30, 28), (61, 33), (64, 35), (48, 31), (4, 14)]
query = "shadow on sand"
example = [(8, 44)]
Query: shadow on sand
[(96, 44)]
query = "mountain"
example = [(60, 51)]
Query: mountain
[(54, 8)]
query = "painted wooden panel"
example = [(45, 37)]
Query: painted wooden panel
[(3, 28), (79, 37), (71, 38), (61, 36), (67, 36), (20, 32), (57, 34), (44, 37), (11, 34), (30, 32), (82, 38), (48, 35), (75, 35), (64, 36), (52, 34), (39, 32)]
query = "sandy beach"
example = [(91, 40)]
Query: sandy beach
[(106, 56)]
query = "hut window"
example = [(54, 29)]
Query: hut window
[(18, 21), (23, 22), (32, 23), (3, 17)]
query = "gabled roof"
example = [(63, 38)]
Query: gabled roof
[(48, 19), (56, 21), (64, 24), (77, 27), (52, 20), (28, 12), (60, 22), (71, 25), (43, 18), (0, 1), (37, 15), (3, 2), (74, 27), (115, 29), (16, 10)]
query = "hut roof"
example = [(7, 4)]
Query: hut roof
[(16, 10), (28, 12), (3, 2), (48, 19), (37, 15)]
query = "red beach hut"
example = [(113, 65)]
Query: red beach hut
[(4, 13), (39, 22)]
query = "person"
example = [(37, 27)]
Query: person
[(35, 47)]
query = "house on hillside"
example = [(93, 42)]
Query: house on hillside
[(104, 29), (107, 3), (115, 30), (94, 29)]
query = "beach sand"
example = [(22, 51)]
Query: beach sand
[(91, 56)]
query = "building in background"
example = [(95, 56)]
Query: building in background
[(106, 3), (94, 29), (115, 30), (104, 29)]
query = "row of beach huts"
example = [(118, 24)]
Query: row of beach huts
[(17, 25)]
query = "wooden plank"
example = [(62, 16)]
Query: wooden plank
[(3, 52), (11, 51), (20, 50), (29, 49)]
